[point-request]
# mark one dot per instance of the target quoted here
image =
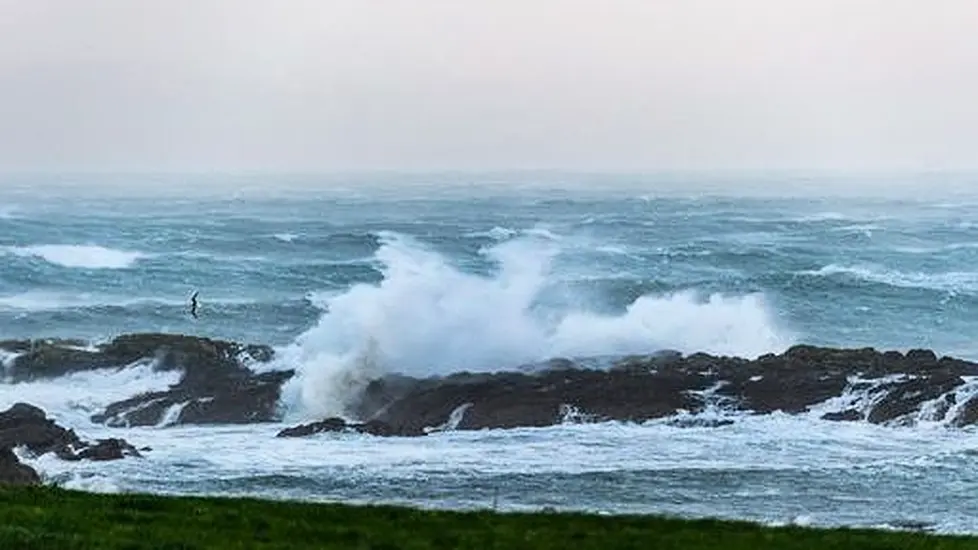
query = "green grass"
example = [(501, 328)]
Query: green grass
[(59, 519)]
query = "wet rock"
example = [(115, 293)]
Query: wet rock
[(968, 414), (108, 449), (24, 425), (904, 398), (898, 388), (232, 398), (848, 415), (217, 385), (328, 425), (200, 357), (699, 422), (15, 473), (27, 426), (372, 427)]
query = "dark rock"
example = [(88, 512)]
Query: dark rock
[(968, 413), (328, 425), (108, 449), (848, 415), (202, 358), (239, 397), (28, 426), (699, 422), (372, 427), (924, 357), (905, 397), (24, 425), (15, 473), (217, 387), (641, 388)]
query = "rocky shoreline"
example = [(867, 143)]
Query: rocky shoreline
[(217, 386)]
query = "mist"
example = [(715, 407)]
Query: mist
[(617, 85)]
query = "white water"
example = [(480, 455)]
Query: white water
[(776, 468), (80, 256), (428, 317), (945, 281)]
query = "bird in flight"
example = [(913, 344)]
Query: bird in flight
[(193, 304)]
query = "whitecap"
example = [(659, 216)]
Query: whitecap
[(951, 281), (80, 256)]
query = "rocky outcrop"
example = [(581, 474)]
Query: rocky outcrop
[(27, 426), (202, 358), (889, 388), (13, 472), (372, 427), (236, 396), (216, 387)]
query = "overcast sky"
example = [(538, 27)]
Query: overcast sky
[(497, 84)]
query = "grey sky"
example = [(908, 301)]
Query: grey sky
[(501, 84)]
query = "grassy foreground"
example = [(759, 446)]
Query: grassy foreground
[(55, 518)]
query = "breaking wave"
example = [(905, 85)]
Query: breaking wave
[(952, 281), (427, 317), (80, 256)]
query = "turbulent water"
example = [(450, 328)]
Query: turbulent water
[(436, 280)]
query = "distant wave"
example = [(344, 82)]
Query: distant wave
[(79, 256), (505, 233), (953, 281), (285, 237), (41, 300), (822, 217), (936, 248), (498, 233)]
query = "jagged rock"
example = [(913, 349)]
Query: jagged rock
[(234, 397), (107, 449), (13, 472), (699, 422), (202, 358), (24, 425), (905, 397), (968, 414), (216, 385), (28, 426), (848, 415), (372, 427), (636, 389)]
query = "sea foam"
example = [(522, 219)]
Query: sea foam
[(427, 317), (79, 256)]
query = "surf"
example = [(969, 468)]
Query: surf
[(428, 316), (79, 256)]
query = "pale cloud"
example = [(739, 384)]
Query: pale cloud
[(610, 84)]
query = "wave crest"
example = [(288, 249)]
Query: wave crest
[(427, 317), (80, 256), (951, 281)]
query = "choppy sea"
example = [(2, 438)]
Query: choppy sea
[(468, 274)]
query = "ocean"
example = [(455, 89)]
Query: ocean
[(484, 275)]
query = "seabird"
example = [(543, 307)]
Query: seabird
[(193, 304)]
